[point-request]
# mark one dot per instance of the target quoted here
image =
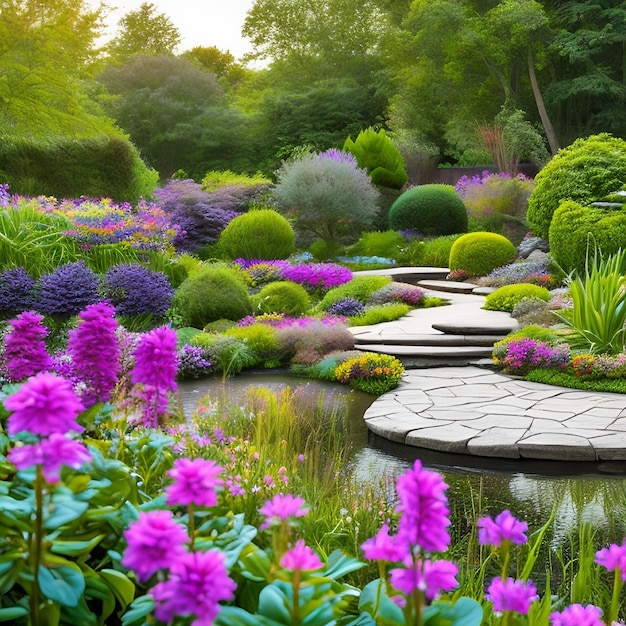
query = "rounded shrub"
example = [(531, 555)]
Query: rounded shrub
[(587, 170), (360, 288), (211, 293), (507, 297), (262, 339), (258, 234), (577, 231), (480, 253), (430, 209), (282, 296)]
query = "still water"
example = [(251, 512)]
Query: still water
[(579, 492)]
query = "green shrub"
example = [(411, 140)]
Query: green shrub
[(229, 354), (102, 166), (378, 155), (360, 288), (371, 372), (214, 180), (383, 244), (261, 339), (378, 314), (480, 253), (258, 234), (323, 250), (576, 231), (428, 252), (309, 343), (282, 296), (505, 298), (587, 170), (532, 331), (211, 293), (564, 379), (429, 209), (326, 197)]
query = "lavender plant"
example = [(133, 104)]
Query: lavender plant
[(17, 291)]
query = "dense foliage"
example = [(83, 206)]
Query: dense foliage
[(480, 252)]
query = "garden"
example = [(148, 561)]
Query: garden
[(116, 507)]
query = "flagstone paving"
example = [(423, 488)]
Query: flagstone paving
[(452, 401)]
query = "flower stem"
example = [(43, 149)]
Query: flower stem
[(36, 544), (191, 526), (295, 610), (617, 588)]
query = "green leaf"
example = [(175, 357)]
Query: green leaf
[(340, 564), (464, 612), (273, 603), (120, 584), (64, 584), (75, 548), (255, 564), (12, 613), (64, 509), (376, 602), (234, 616), (140, 609)]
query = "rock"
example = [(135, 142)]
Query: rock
[(530, 244)]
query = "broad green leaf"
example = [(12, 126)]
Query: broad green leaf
[(139, 611), (274, 604), (376, 602), (339, 564), (120, 584), (255, 564), (464, 612), (12, 613), (64, 584), (75, 548)]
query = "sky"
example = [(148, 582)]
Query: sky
[(200, 22)]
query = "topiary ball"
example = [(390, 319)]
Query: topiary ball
[(211, 293), (507, 297), (480, 253), (258, 234), (282, 296), (430, 209), (587, 170)]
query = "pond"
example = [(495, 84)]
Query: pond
[(581, 492)]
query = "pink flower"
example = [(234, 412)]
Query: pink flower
[(432, 577), (613, 558), (382, 547), (301, 558), (578, 615), (194, 483), (51, 453), (282, 507), (155, 541), (504, 528), (24, 347), (43, 405), (156, 364), (511, 595), (424, 509), (198, 582), (95, 351)]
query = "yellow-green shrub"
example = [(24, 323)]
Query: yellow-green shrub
[(480, 253)]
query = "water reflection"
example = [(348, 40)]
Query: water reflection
[(581, 492)]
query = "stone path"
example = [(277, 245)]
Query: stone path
[(450, 400)]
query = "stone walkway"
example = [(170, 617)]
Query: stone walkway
[(470, 409)]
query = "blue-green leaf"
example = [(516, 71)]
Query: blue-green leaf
[(64, 584), (12, 613), (464, 612), (139, 611)]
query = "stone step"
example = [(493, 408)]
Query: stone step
[(486, 340), (498, 330), (447, 286), (412, 275), (464, 352)]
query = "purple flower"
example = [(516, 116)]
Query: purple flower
[(193, 362), (504, 528), (511, 595), (17, 291), (332, 154), (382, 547), (135, 290), (68, 290), (195, 482), (578, 615), (346, 307), (282, 507), (432, 577), (24, 347), (155, 541), (43, 405), (51, 453), (198, 581), (424, 508), (301, 558), (95, 352), (613, 558), (155, 370)]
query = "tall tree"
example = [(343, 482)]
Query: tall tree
[(46, 48), (144, 31)]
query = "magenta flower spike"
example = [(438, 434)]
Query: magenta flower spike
[(578, 615), (195, 482), (613, 558), (511, 595), (382, 547), (504, 528), (424, 509), (432, 577), (281, 508), (24, 347), (155, 541), (95, 351), (43, 405), (301, 558), (51, 453), (198, 582)]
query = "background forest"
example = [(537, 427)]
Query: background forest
[(444, 78)]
